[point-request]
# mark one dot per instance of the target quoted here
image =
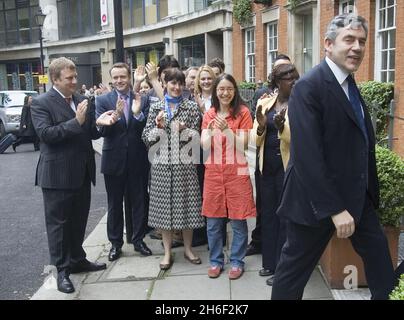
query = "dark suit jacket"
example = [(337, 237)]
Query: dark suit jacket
[(26, 127), (123, 147), (66, 148), (330, 168)]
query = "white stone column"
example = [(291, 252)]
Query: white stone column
[(228, 49)]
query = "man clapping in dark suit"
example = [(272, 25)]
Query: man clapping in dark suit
[(331, 181), (65, 125), (124, 161)]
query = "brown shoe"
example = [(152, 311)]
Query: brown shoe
[(235, 273), (166, 266), (195, 260), (214, 271)]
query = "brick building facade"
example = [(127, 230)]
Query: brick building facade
[(299, 33)]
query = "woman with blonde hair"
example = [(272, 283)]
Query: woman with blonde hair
[(203, 87)]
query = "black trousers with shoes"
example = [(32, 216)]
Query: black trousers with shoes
[(118, 188), (305, 245), (66, 215)]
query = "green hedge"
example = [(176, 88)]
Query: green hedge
[(247, 85), (390, 168), (380, 94), (398, 292)]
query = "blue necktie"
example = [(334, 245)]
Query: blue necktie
[(356, 105)]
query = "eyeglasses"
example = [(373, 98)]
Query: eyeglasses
[(222, 90), (289, 79)]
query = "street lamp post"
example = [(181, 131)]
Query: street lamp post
[(39, 19)]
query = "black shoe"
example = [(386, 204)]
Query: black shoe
[(270, 281), (251, 250), (87, 266), (65, 285), (266, 272), (142, 248), (14, 146), (114, 253)]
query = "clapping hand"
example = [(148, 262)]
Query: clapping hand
[(104, 88), (140, 73), (81, 111), (107, 118), (279, 120), (160, 120), (221, 123), (120, 104), (261, 118), (152, 71), (136, 105)]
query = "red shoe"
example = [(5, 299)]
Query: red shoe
[(214, 272), (235, 273)]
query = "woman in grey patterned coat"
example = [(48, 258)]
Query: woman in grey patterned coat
[(172, 136)]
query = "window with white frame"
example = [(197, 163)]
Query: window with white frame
[(272, 44), (250, 55), (347, 6), (386, 40)]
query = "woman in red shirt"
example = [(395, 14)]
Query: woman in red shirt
[(228, 192)]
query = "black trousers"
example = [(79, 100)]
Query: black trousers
[(256, 233), (66, 215), (273, 229), (134, 190), (304, 246), (23, 139), (200, 236)]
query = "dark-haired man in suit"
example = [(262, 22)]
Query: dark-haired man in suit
[(331, 180), (65, 125), (124, 162)]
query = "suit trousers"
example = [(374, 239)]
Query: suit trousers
[(134, 190), (305, 245), (66, 215)]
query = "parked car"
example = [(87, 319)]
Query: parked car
[(11, 103)]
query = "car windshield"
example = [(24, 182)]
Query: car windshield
[(14, 99)]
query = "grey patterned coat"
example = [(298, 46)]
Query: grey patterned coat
[(175, 197)]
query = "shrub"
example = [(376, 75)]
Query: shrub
[(377, 96), (398, 292), (390, 169), (242, 12), (247, 85)]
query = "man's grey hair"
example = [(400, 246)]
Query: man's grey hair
[(190, 69), (342, 21)]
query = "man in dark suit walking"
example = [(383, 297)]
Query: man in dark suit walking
[(124, 162), (65, 125), (331, 181)]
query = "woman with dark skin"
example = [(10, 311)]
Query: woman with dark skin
[(27, 132), (270, 164)]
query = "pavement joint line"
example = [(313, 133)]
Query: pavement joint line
[(150, 290), (127, 279)]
